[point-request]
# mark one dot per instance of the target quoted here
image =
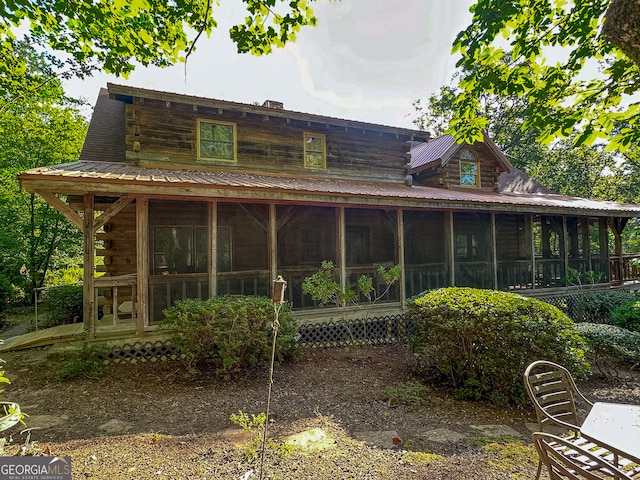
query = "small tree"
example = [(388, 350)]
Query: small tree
[(324, 289)]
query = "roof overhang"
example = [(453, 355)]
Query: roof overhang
[(110, 178)]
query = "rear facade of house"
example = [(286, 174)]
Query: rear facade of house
[(188, 197)]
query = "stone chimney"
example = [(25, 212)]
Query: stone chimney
[(273, 104)]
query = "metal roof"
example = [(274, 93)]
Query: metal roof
[(441, 150), (122, 178), (432, 151)]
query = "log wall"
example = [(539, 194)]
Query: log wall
[(448, 176), (164, 134)]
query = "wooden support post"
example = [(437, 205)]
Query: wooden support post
[(532, 239), (273, 245), (142, 267), (401, 281), (452, 248), (88, 259), (564, 245), (212, 260), (342, 248), (494, 250)]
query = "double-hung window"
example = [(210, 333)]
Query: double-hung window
[(314, 150), (216, 141)]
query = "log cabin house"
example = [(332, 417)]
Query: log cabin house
[(185, 197)]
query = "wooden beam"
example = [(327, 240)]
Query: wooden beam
[(88, 293), (142, 263), (494, 250), (563, 245), (400, 237), (63, 208), (273, 245), (452, 248), (261, 222), (342, 248), (212, 260), (107, 215), (532, 239)]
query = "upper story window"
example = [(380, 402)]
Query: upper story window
[(314, 151), (216, 141), (469, 169)]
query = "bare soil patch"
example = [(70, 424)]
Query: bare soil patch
[(154, 420)]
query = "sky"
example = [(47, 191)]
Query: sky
[(367, 60)]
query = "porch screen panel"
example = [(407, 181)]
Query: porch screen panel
[(307, 236), (599, 249), (243, 249), (584, 253), (513, 252), (426, 264), (472, 250), (549, 244), (371, 241), (178, 256)]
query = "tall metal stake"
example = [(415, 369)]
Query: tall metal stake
[(279, 286)]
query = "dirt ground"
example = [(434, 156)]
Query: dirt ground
[(154, 420)]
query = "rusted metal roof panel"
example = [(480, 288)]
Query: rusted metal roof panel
[(436, 150), (125, 178)]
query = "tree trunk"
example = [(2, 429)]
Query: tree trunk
[(621, 27)]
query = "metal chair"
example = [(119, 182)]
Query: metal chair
[(565, 460), (553, 391)]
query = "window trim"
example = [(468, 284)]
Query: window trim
[(324, 149), (477, 175), (234, 126)]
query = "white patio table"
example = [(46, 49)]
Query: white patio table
[(615, 426)]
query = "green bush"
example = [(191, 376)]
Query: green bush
[(229, 332), (609, 345), (479, 342), (627, 316), (62, 305), (597, 307)]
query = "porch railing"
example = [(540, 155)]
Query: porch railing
[(166, 290), (625, 269), (115, 301)]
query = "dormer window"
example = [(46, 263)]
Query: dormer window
[(216, 141), (469, 169), (314, 151)]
